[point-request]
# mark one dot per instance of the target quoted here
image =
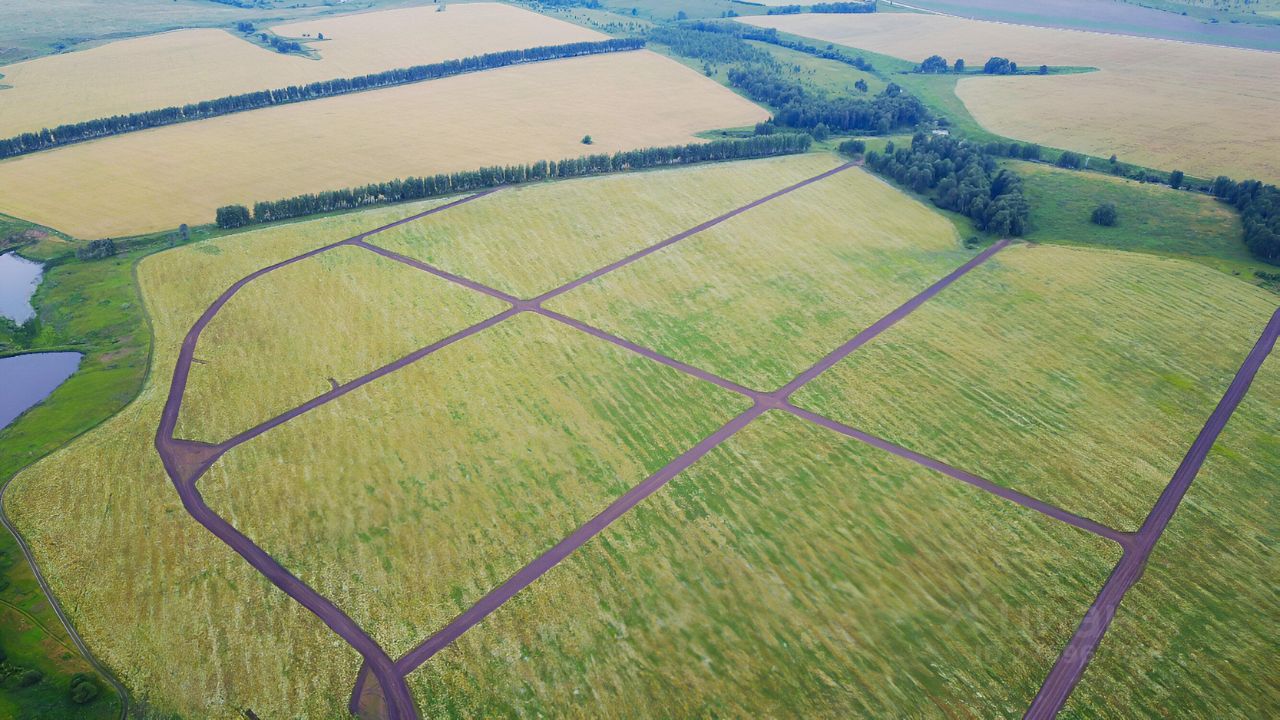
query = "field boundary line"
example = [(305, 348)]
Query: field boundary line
[(1079, 650)]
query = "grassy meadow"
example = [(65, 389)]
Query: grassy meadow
[(1079, 377), (531, 239), (154, 180), (1198, 631), (1154, 219), (410, 498), (184, 66), (1204, 109), (148, 588), (790, 573), (763, 296), (287, 336)]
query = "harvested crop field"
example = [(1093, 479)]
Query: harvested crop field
[(528, 240), (766, 294), (1203, 109), (185, 66), (156, 179), (1078, 377), (790, 573), (1200, 626)]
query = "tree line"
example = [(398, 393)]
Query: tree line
[(770, 35), (119, 124), (798, 107), (417, 188), (958, 175), (1259, 207), (831, 7)]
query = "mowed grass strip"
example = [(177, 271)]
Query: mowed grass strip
[(1198, 632), (766, 294), (1078, 377), (407, 500), (792, 572), (531, 239), (157, 179), (295, 333), (185, 66), (1204, 109), (187, 625)]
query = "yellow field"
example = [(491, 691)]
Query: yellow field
[(766, 294), (157, 179), (1079, 377), (789, 573), (531, 239), (1203, 109), (410, 498), (266, 353), (201, 64)]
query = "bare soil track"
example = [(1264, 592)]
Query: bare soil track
[(388, 695)]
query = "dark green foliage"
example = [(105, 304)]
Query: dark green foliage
[(244, 27), (1105, 215), (96, 250), (1044, 69), (30, 677), (694, 41), (1259, 207), (820, 132), (959, 66), (770, 35), (118, 124), (417, 188), (586, 140), (232, 216), (844, 7), (934, 64), (999, 66), (861, 85), (1176, 179), (959, 175), (1070, 160), (83, 689), (785, 10), (852, 147), (798, 107)]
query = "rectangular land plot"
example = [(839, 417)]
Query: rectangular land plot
[(1078, 377), (156, 179), (411, 497), (1199, 632), (185, 66), (791, 572), (1205, 109), (297, 331), (764, 295), (528, 240)]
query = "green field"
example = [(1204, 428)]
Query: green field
[(528, 240), (790, 573), (266, 352), (1198, 631), (1079, 377), (413, 496), (766, 294)]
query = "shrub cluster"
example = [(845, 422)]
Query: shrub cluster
[(96, 250), (416, 188), (797, 107), (961, 176), (118, 124)]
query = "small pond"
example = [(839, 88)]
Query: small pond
[(27, 379), (18, 280)]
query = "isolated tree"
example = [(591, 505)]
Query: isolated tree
[(998, 66), (1105, 215), (934, 64), (861, 85), (184, 232), (1013, 67), (320, 36), (1175, 179), (682, 15), (586, 140), (83, 689), (1044, 69), (1114, 159), (959, 66)]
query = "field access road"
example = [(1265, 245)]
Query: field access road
[(1075, 657), (185, 460)]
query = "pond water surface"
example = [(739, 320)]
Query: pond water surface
[(27, 379), (18, 280)]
